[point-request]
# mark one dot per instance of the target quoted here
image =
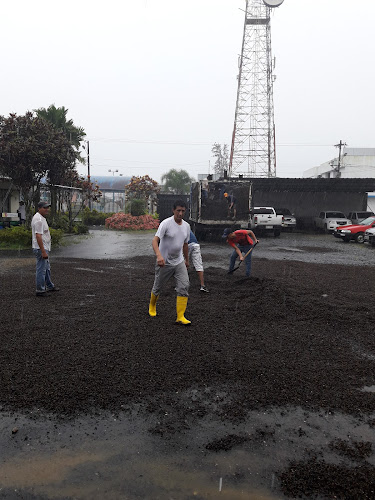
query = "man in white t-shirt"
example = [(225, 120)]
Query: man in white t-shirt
[(170, 245), (41, 243)]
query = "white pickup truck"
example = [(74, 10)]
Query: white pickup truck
[(265, 219), (328, 221)]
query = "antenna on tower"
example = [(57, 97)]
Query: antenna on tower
[(253, 138)]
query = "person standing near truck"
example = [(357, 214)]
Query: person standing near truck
[(242, 241), (170, 245), (232, 204)]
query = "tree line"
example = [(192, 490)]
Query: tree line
[(42, 147)]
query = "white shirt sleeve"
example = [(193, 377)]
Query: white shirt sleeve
[(161, 230), (39, 227)]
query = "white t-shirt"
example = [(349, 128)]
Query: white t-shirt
[(172, 237), (39, 225)]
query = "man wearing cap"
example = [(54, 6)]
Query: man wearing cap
[(241, 240), (41, 244)]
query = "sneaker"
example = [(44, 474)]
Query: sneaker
[(41, 294), (54, 289), (203, 289)]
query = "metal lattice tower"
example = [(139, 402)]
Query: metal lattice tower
[(253, 140)]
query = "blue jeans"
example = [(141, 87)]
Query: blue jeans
[(43, 272), (233, 257)]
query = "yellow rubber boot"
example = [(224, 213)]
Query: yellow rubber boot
[(181, 304), (152, 306)]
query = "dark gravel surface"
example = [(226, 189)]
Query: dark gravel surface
[(293, 335)]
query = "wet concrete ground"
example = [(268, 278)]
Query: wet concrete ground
[(318, 248), (118, 456), (303, 247)]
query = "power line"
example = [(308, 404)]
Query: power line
[(144, 141), (157, 163), (183, 143), (303, 145)]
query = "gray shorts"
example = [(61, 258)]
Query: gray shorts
[(163, 274)]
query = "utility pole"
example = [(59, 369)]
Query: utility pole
[(339, 145), (88, 171), (88, 161)]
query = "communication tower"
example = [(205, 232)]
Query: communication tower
[(253, 140)]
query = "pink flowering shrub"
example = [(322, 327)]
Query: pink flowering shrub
[(128, 222)]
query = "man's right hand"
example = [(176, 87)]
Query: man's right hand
[(160, 261), (44, 254)]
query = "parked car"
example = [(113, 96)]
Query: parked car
[(263, 219), (328, 221), (370, 236), (289, 221), (358, 217), (355, 232)]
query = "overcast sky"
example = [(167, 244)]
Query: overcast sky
[(153, 82)]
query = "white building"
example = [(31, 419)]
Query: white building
[(354, 163)]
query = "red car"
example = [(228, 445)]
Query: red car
[(355, 232)]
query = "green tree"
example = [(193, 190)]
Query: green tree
[(222, 158), (141, 187), (176, 181), (32, 149), (58, 118), (75, 135)]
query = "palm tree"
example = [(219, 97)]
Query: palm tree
[(177, 181), (57, 116)]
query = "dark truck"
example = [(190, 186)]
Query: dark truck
[(209, 207), (210, 214)]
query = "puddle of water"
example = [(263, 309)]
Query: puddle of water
[(119, 457), (33, 469), (88, 269), (370, 388), (286, 249)]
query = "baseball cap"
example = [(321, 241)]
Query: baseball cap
[(43, 204), (226, 232)]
